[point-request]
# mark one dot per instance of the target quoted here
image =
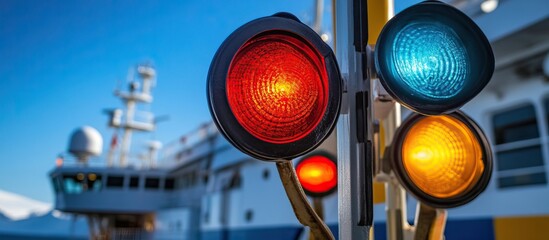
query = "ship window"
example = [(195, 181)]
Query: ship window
[(523, 179), (55, 184), (134, 181), (152, 183), (94, 182), (227, 180), (187, 180), (72, 185), (520, 158), (546, 108), (518, 148), (169, 184), (517, 124), (115, 181)]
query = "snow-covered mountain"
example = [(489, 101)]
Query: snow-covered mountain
[(17, 207), (24, 218)]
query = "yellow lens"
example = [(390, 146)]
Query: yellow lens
[(442, 156)]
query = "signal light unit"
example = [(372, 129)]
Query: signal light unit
[(274, 88), (274, 92), (317, 174), (444, 161), (432, 58)]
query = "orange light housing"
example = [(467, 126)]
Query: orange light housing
[(277, 87), (317, 175), (444, 160)]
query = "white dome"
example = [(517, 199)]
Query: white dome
[(85, 142)]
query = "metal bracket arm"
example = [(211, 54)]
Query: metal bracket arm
[(302, 209)]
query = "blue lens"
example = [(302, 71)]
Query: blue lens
[(431, 60)]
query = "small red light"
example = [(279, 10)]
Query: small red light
[(277, 87), (59, 162), (317, 174)]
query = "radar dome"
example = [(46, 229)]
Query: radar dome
[(85, 142)]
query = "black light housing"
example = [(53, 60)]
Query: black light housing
[(432, 58), (274, 88)]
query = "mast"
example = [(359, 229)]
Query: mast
[(139, 93)]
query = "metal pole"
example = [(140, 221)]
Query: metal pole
[(354, 216), (319, 10), (395, 200), (379, 12)]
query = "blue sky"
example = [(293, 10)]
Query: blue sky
[(61, 61)]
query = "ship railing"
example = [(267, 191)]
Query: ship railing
[(173, 153), (68, 160), (130, 234)]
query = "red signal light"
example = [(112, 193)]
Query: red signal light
[(274, 88), (277, 87), (317, 175)]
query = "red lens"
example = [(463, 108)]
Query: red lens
[(277, 87), (317, 174)]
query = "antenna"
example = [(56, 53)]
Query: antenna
[(138, 92), (131, 75), (319, 12)]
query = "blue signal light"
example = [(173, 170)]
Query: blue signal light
[(432, 58)]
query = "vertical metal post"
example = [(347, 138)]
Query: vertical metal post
[(354, 138), (379, 12), (395, 200), (319, 12), (127, 137)]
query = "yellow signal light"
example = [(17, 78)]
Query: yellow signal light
[(445, 161)]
